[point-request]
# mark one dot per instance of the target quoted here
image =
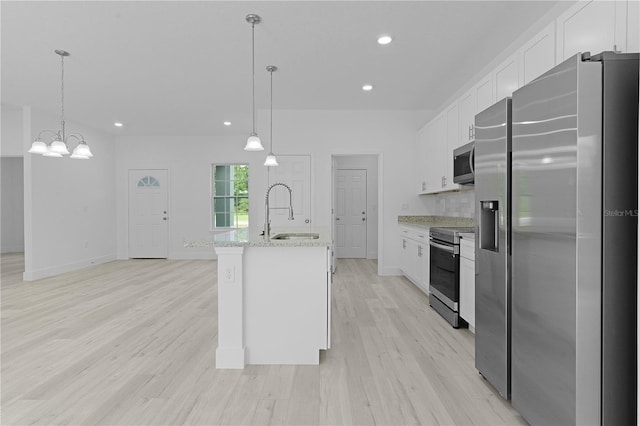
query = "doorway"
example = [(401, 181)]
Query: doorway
[(355, 206), (148, 214), (351, 214), (12, 191)]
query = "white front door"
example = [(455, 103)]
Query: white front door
[(351, 217), (295, 171), (148, 218)]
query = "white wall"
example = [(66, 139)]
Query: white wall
[(69, 204), (321, 134), (189, 161), (370, 164), (11, 131), (12, 179), (12, 205)]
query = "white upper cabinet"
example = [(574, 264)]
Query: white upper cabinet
[(633, 26), (467, 113), (591, 27), (538, 55), (422, 158), (587, 26), (507, 78), (437, 165), (484, 94), (453, 141)]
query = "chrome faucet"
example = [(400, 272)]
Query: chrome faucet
[(267, 220)]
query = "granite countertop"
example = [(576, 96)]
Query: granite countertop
[(251, 238), (426, 222)]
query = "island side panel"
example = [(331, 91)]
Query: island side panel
[(285, 309), (230, 352)]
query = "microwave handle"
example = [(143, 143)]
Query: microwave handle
[(473, 154)]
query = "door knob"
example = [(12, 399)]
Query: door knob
[(307, 221), (363, 219), (337, 218), (164, 218)]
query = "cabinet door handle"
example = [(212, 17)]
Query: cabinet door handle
[(404, 244)]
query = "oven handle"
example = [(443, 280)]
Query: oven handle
[(449, 249)]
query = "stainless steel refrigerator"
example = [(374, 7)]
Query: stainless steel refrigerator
[(493, 243), (574, 242)]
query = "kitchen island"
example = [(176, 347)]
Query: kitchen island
[(274, 298)]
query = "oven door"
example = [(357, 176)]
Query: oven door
[(444, 269)]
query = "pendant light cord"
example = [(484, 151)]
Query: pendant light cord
[(62, 98), (271, 118), (253, 74)]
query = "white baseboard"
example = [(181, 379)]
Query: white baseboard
[(194, 255), (389, 271), (230, 358), (13, 249), (69, 267)]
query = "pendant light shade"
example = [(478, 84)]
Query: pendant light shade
[(271, 159), (59, 146), (253, 142)]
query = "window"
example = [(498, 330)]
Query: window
[(230, 195), (148, 181)]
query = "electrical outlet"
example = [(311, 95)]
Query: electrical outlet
[(229, 274)]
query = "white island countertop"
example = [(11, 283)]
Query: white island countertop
[(250, 238)]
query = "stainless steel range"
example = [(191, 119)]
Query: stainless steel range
[(444, 272)]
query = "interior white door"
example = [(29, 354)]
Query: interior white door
[(295, 171), (148, 218), (351, 216)]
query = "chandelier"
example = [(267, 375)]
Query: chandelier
[(58, 145)]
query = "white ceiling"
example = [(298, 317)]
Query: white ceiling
[(183, 67)]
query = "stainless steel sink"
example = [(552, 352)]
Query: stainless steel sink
[(296, 236)]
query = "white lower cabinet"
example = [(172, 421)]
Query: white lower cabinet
[(414, 256), (468, 282)]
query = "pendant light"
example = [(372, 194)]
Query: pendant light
[(271, 159), (58, 146), (253, 142)]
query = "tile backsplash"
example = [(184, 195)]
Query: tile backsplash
[(455, 204)]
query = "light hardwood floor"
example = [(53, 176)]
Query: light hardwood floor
[(133, 343)]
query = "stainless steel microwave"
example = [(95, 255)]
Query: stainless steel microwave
[(463, 164)]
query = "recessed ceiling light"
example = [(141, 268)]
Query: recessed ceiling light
[(384, 39), (118, 124), (227, 123), (367, 87)]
